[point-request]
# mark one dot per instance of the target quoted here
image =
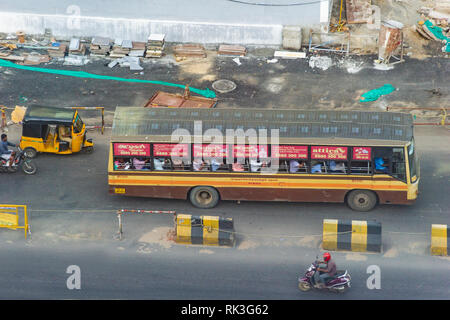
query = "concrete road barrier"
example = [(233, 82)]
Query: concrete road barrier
[(206, 230), (440, 234), (351, 235)]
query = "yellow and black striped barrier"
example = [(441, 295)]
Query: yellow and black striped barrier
[(351, 235), (440, 234), (206, 230)]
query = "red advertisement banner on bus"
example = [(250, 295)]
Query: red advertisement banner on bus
[(132, 149), (361, 153), (323, 152), (250, 151), (210, 151), (170, 150), (290, 152)]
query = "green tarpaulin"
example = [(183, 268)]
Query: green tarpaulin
[(374, 94), (81, 74)]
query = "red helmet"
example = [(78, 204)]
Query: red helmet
[(326, 256)]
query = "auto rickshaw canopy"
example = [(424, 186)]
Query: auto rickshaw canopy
[(48, 115)]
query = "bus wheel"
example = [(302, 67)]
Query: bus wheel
[(204, 197), (30, 152), (362, 200)]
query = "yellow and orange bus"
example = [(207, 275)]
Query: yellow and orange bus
[(357, 157)]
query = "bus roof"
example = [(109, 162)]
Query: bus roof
[(295, 126), (49, 115)]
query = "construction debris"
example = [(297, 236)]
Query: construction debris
[(57, 50), (390, 39), (289, 55), (165, 99), (75, 60), (120, 49), (99, 47), (76, 47), (126, 61), (137, 49), (155, 45), (430, 31), (189, 50), (320, 62), (34, 59), (232, 50)]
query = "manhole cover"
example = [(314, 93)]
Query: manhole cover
[(224, 86)]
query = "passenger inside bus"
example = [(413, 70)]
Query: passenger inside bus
[(160, 164), (316, 167), (198, 164), (238, 167), (337, 167), (138, 163), (381, 165), (255, 165), (295, 166), (122, 164)]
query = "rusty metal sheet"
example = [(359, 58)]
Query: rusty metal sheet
[(171, 100), (358, 11)]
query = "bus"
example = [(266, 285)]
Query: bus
[(359, 158)]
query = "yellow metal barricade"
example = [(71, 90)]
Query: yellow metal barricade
[(9, 217)]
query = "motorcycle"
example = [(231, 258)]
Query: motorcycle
[(19, 159), (339, 283)]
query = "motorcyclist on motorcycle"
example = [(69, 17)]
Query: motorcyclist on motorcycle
[(328, 273), (5, 153)]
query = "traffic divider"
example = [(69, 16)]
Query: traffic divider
[(351, 235), (440, 234), (204, 230), (10, 217)]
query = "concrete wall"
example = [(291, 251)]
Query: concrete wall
[(64, 27), (199, 21)]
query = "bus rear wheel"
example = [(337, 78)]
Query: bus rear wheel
[(362, 200), (204, 197)]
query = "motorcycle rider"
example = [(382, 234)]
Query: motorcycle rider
[(6, 154), (328, 273)]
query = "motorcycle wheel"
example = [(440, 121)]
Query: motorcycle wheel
[(29, 167), (304, 286), (341, 289), (12, 169)]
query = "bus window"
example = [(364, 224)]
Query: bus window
[(141, 163), (398, 164), (199, 165), (361, 167), (121, 163), (318, 166), (180, 165), (297, 166), (337, 166), (162, 164), (239, 167), (412, 162), (256, 165)]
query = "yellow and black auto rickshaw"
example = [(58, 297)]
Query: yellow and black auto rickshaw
[(53, 130)]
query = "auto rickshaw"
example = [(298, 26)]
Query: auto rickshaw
[(53, 130)]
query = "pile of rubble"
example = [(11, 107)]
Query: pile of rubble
[(435, 23)]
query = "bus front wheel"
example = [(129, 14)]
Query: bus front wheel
[(362, 200), (204, 197)]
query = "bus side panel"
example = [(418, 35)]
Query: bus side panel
[(280, 194), (164, 192), (393, 197)]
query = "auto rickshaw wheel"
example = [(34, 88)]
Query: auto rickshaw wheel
[(88, 149), (30, 152)]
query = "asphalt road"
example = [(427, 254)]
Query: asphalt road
[(73, 223)]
